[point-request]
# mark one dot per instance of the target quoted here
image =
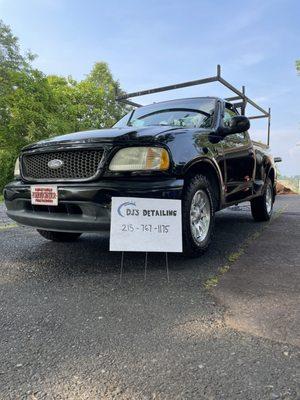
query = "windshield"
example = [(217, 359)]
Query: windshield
[(186, 113)]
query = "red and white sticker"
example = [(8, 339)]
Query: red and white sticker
[(44, 195)]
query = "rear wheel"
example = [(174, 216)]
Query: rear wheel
[(197, 216), (262, 206), (59, 236)]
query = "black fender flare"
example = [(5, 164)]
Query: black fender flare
[(208, 164)]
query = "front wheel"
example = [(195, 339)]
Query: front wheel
[(59, 236), (197, 216), (262, 206)]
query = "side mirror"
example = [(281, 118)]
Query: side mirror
[(238, 124)]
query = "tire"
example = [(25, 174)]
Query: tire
[(262, 206), (59, 236), (197, 221)]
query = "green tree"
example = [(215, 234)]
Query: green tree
[(34, 106), (87, 104), (298, 66), (13, 66), (10, 56)]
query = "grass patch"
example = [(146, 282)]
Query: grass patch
[(214, 280), (211, 282), (224, 269), (233, 257), (8, 226), (1, 198)]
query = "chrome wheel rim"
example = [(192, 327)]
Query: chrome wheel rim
[(269, 199), (200, 214)]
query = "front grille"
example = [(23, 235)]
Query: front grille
[(77, 165)]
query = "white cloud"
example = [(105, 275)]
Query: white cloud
[(249, 59), (244, 20), (261, 99)]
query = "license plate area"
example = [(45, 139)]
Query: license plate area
[(46, 195)]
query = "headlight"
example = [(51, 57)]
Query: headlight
[(17, 168), (140, 159)]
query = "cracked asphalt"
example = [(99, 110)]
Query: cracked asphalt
[(70, 330)]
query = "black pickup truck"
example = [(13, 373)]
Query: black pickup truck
[(194, 149)]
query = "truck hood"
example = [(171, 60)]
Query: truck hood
[(145, 134)]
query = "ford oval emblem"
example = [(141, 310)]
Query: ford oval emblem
[(55, 164)]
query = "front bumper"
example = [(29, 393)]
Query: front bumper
[(82, 207)]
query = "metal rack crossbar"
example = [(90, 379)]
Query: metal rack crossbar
[(240, 96)]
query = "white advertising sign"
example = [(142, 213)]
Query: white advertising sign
[(142, 224)]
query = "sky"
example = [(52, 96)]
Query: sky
[(153, 43)]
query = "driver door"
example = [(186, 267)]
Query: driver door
[(239, 163)]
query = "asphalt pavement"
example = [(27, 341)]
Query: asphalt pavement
[(262, 293), (70, 330)]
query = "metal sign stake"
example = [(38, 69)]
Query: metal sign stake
[(122, 266), (167, 268), (146, 264)]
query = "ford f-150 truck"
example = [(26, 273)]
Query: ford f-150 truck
[(194, 149)]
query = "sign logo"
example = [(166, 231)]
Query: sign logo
[(55, 164), (121, 207)]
